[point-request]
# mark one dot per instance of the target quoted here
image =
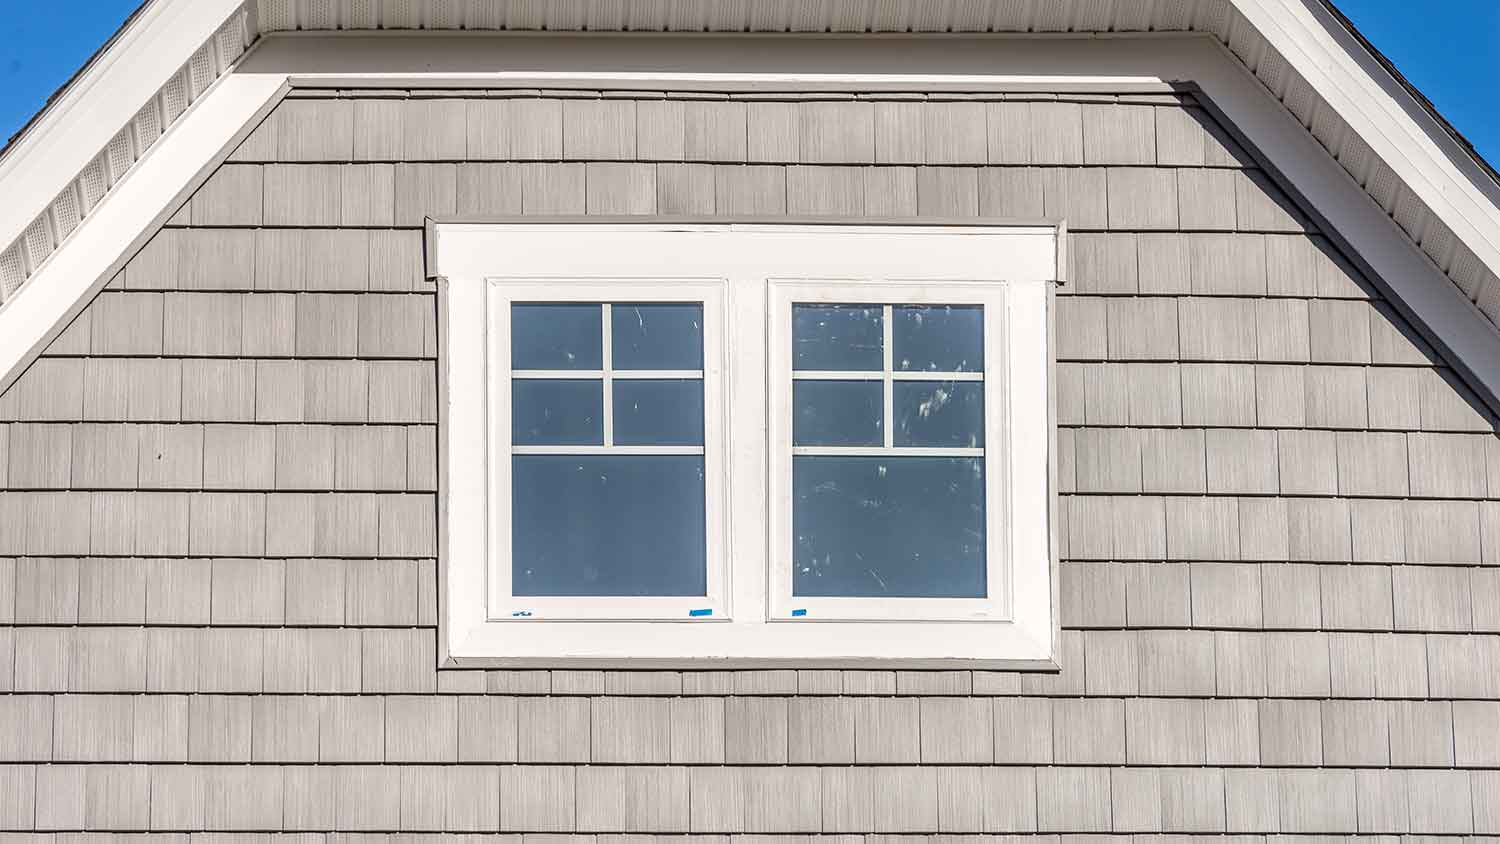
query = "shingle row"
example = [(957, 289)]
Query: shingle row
[(256, 325), (1223, 529), (1090, 460), (1094, 595), (451, 729), (195, 660), (722, 800), (1288, 664), (1209, 264), (342, 260), (217, 524), (1091, 198), (1290, 462), (402, 391), (1114, 263), (1245, 395), (1105, 663), (95, 456), (1279, 596), (223, 390), (896, 131), (218, 592), (1196, 328)]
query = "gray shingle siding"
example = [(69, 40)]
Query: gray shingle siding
[(1278, 511)]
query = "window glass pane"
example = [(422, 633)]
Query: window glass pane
[(838, 337), (946, 338), (657, 336), (556, 336), (608, 526), (947, 414), (837, 412), (909, 527), (650, 412), (557, 412)]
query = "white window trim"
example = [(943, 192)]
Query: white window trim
[(999, 521), (501, 294), (898, 259)]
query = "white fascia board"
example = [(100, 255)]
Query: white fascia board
[(130, 213), (1399, 130), (99, 103)]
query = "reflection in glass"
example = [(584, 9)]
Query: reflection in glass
[(943, 338), (651, 412), (556, 336), (910, 527), (837, 413), (941, 414), (661, 336), (562, 412), (838, 337), (608, 526)]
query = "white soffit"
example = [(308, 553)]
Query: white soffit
[(1382, 137)]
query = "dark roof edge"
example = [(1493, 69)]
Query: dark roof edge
[(103, 48), (1412, 90)]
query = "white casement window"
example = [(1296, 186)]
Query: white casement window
[(735, 444), (611, 502), (886, 409)]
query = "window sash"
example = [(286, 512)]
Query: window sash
[(501, 294), (782, 605)]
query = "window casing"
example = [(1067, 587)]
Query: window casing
[(874, 478)]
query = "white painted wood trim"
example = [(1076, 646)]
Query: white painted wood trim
[(129, 214), (902, 259), (1400, 131), (92, 110)]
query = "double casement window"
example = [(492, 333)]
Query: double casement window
[(760, 444)]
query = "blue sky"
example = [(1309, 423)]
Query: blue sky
[(1449, 56)]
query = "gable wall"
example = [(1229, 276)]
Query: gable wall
[(1276, 520)]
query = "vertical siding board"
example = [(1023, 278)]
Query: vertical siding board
[(837, 132), (773, 132), (488, 189), (379, 129)]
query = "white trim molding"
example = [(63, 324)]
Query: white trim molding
[(129, 214), (83, 144), (484, 267)]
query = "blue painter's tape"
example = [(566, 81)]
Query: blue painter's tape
[(798, 613), (522, 614), (698, 613)]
